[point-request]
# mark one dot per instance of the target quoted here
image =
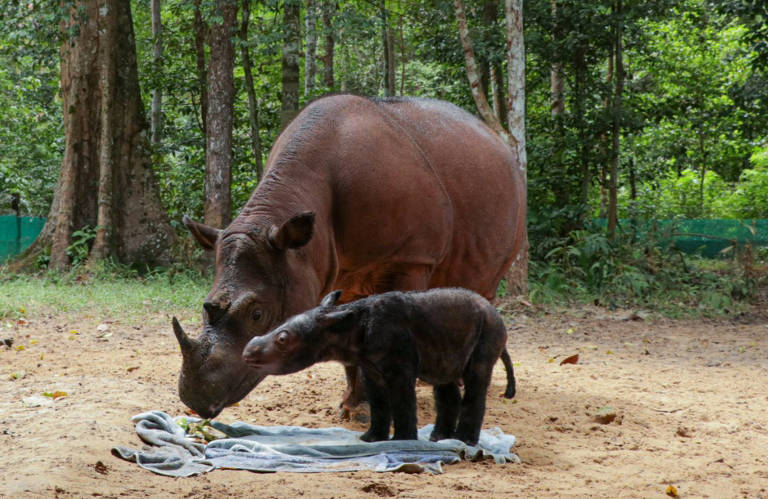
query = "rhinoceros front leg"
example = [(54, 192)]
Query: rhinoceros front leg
[(353, 395)]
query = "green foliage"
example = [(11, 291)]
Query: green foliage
[(31, 131), (634, 271), (81, 245)]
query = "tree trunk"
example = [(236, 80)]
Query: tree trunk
[(473, 75), (202, 72), (580, 69), (388, 43), (561, 188), (497, 86), (617, 109), (291, 46), (253, 104), (217, 208), (517, 277), (402, 49), (157, 64), (329, 12), (606, 155), (310, 66), (106, 147), (557, 82)]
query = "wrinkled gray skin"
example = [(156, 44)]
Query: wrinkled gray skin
[(247, 298)]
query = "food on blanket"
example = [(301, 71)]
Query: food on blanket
[(368, 195), (201, 430), (440, 336)]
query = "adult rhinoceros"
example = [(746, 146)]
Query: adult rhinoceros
[(363, 195)]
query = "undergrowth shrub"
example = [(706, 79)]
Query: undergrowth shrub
[(639, 269)]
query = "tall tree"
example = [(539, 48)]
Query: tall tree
[(388, 43), (253, 103), (290, 61), (201, 34), (474, 75), (618, 33), (106, 149), (329, 12), (217, 208), (157, 61), (513, 14), (310, 65), (514, 135)]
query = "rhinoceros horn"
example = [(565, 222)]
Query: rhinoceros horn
[(186, 343)]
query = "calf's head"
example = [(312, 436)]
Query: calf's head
[(261, 275), (303, 339)]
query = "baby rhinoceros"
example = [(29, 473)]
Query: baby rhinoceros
[(442, 336)]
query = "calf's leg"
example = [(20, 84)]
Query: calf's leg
[(381, 414), (447, 405), (477, 378), (402, 396)]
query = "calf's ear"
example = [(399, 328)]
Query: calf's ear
[(205, 235), (294, 233), (331, 298), (338, 321)]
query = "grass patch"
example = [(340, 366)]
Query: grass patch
[(126, 297)]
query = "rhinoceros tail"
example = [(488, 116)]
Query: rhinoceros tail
[(510, 391)]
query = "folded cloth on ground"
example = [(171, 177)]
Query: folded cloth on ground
[(172, 452)]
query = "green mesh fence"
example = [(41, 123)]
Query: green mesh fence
[(709, 238), (17, 233)]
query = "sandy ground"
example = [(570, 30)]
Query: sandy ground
[(690, 397)]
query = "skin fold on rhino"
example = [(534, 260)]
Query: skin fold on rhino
[(363, 195)]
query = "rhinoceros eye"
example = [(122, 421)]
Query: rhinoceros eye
[(256, 315), (282, 338)]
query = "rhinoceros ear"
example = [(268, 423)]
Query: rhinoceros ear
[(338, 321), (331, 298), (204, 234), (294, 233)]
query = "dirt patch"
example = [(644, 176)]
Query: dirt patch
[(648, 404)]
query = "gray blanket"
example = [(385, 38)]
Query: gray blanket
[(172, 452)]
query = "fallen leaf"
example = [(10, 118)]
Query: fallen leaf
[(551, 360), (309, 376), (608, 352), (55, 395), (573, 359), (132, 368), (74, 331), (34, 342), (672, 491), (19, 348), (22, 310), (22, 322), (570, 330), (18, 374)]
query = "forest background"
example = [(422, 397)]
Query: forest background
[(635, 110)]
